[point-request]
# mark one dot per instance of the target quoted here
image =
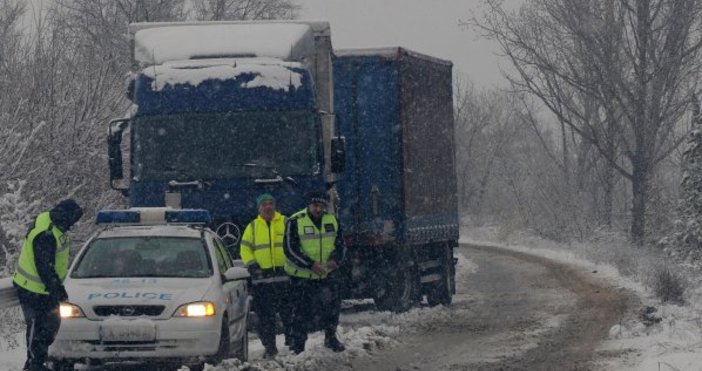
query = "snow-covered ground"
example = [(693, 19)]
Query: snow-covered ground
[(673, 343), (363, 333)]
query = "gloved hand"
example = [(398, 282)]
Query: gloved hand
[(319, 269), (254, 270), (58, 294)]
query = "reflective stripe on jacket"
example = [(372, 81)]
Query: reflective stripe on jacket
[(27, 275), (263, 244), (316, 244)]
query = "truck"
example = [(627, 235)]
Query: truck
[(225, 111)]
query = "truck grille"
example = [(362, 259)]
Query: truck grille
[(128, 310)]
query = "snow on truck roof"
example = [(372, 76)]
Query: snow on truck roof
[(268, 72), (395, 52), (156, 43)]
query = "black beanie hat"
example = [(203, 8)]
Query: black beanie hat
[(66, 213), (316, 197)]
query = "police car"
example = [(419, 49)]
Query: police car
[(155, 285)]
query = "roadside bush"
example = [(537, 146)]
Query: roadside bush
[(669, 286)]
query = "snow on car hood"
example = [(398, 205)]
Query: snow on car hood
[(169, 292)]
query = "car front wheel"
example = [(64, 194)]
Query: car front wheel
[(224, 343), (242, 347)]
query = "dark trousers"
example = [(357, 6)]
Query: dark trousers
[(317, 304), (270, 299), (41, 315)]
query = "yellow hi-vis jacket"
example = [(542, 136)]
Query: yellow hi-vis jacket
[(263, 244), (316, 244), (27, 275)]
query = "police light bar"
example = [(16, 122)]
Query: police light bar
[(153, 216)]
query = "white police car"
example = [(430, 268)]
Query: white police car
[(154, 286)]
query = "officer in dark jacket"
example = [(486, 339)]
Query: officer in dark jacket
[(314, 250), (41, 269)]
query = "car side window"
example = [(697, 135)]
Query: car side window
[(222, 261), (228, 258)]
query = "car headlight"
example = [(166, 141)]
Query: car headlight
[(199, 309), (68, 310)]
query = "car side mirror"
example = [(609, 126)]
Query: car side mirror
[(236, 274)]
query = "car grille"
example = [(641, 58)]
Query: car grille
[(128, 310)]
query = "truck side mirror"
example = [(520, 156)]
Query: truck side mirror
[(114, 150), (338, 154), (131, 86)]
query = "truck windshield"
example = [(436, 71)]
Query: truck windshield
[(144, 257), (225, 145)]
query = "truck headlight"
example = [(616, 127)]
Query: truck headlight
[(198, 309), (68, 310)]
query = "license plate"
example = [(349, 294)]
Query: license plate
[(128, 330)]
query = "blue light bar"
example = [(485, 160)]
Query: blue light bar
[(153, 216), (191, 216), (118, 217)]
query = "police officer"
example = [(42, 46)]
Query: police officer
[(314, 249), (41, 269), (262, 253)]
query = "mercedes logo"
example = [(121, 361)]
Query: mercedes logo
[(230, 234), (128, 311)]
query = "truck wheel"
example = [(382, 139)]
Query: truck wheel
[(443, 289), (400, 289)]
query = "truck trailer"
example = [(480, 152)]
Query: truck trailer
[(224, 111), (398, 194)]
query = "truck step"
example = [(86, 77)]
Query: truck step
[(430, 278), (429, 264)]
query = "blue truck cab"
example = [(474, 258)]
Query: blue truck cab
[(217, 119), (225, 111)]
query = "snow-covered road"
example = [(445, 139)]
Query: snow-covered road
[(514, 310)]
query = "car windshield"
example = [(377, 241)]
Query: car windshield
[(144, 257), (225, 146)]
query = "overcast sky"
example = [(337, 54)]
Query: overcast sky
[(427, 26)]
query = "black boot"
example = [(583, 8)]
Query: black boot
[(297, 348), (334, 344), (38, 367), (270, 353)]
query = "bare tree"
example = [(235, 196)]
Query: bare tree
[(220, 10), (688, 235), (636, 60), (485, 124)]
